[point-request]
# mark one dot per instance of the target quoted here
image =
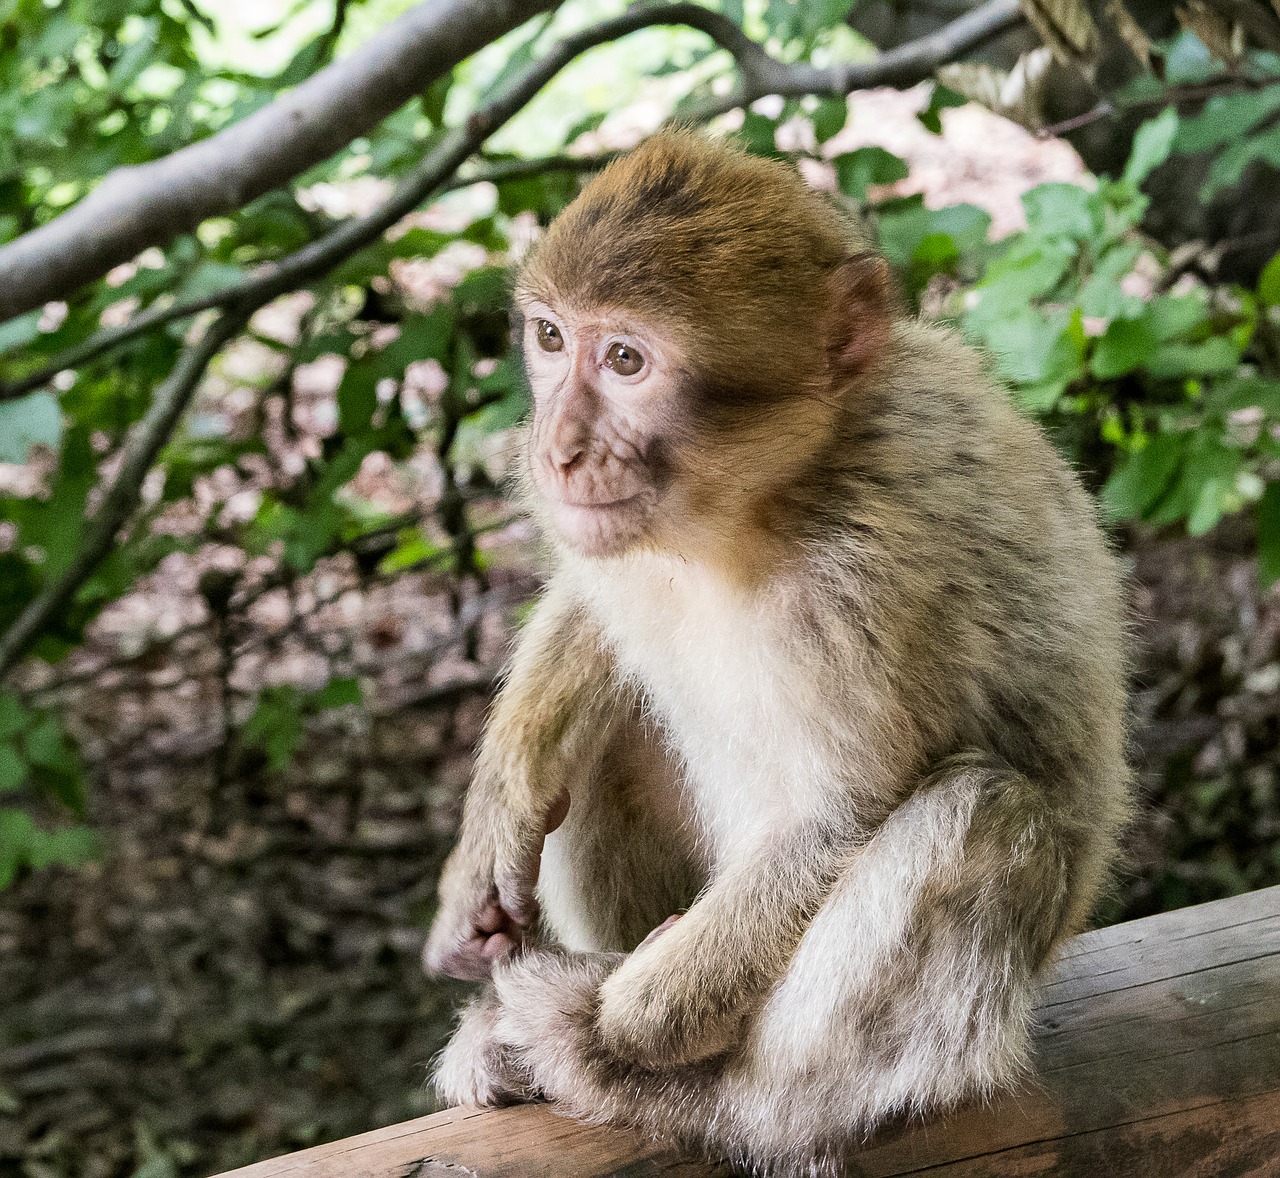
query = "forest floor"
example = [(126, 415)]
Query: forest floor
[(238, 976)]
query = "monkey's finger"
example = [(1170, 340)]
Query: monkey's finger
[(465, 961), (662, 928), (491, 918), (498, 946), (515, 895)]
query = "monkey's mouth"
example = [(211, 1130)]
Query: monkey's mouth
[(602, 528), (608, 505)]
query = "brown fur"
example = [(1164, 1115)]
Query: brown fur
[(847, 681)]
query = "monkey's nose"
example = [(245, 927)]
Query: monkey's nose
[(567, 459)]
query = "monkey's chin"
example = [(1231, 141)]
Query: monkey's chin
[(601, 530)]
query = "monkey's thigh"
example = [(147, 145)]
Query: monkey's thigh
[(623, 860), (913, 985)]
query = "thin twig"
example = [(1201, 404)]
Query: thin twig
[(124, 492)]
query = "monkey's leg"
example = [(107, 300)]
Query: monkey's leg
[(548, 722), (909, 991), (619, 865), (623, 860)]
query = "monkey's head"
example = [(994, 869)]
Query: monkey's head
[(692, 323)]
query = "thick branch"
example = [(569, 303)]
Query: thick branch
[(151, 204), (121, 498), (761, 75), (904, 65)]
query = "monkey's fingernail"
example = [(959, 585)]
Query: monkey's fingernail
[(498, 945), (662, 928)]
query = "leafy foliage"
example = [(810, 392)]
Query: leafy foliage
[(1162, 389)]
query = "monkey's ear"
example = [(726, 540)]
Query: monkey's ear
[(862, 302)]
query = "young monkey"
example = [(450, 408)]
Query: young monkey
[(831, 657)]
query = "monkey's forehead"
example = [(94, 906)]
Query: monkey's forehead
[(685, 224)]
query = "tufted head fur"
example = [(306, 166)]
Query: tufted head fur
[(741, 260)]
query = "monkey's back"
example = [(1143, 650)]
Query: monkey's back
[(986, 586)]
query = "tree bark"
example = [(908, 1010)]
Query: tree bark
[(151, 204)]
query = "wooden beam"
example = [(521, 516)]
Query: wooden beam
[(1158, 1052)]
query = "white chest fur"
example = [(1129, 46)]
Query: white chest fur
[(727, 688)]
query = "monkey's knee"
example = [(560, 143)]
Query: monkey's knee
[(476, 1067)]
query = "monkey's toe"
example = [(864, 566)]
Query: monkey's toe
[(477, 1068)]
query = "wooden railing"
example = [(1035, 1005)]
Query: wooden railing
[(1158, 1053)]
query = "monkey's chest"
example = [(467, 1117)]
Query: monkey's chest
[(723, 686)]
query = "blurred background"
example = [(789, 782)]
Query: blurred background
[(247, 642)]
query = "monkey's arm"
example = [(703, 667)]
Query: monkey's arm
[(682, 995), (556, 695)]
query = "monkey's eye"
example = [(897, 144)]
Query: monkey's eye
[(549, 337), (623, 359)]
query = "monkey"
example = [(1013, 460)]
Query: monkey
[(812, 751)]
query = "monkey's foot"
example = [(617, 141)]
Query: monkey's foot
[(476, 1067), (546, 1021)]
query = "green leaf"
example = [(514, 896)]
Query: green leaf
[(1030, 268), (1269, 283), (20, 331), (857, 170), (435, 96), (1033, 350), (829, 118), (13, 768), (357, 398), (940, 98), (1151, 146), (1135, 488), (337, 693), (1126, 345), (71, 846), (1205, 487), (412, 547), (13, 716), (758, 134), (26, 422), (422, 337), (1230, 165), (276, 726), (1102, 296), (1171, 316), (46, 746), (1215, 355), (1267, 516), (1062, 210), (1225, 118), (23, 844)]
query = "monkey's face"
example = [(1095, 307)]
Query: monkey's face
[(605, 390)]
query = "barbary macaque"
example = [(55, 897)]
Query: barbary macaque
[(830, 668)]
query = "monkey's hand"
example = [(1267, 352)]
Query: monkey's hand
[(662, 1007), (487, 903)]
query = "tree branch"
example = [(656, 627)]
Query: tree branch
[(122, 496), (151, 204), (904, 65), (761, 75)]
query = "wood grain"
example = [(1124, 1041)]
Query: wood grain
[(1157, 1053)]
